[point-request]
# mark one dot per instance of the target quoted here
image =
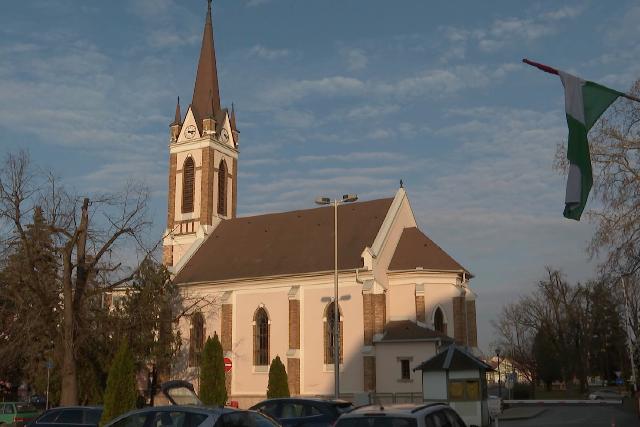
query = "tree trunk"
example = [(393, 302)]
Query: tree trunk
[(72, 303), (69, 392)]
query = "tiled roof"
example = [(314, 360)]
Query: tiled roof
[(294, 242), (415, 250)]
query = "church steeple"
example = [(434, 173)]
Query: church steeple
[(206, 95)]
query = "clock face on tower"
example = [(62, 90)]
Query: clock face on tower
[(190, 132), (224, 135)]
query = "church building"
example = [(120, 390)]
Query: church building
[(265, 284)]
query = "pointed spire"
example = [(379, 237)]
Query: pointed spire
[(232, 119), (206, 95), (178, 118)]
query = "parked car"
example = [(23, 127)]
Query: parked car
[(80, 416), (295, 412), (17, 413), (403, 415), (605, 394), (192, 416)]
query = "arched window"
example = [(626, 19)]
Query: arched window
[(196, 339), (261, 338), (222, 188), (438, 321), (188, 185), (330, 339)]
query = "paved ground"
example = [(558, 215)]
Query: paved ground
[(582, 416), (521, 412)]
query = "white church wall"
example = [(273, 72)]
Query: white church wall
[(316, 377), (388, 365), (402, 302)]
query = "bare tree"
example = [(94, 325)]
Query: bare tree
[(86, 233)]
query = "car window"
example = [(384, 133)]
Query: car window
[(454, 418), (343, 407), (313, 410), (194, 420), (236, 419), (262, 421), (92, 416), (169, 419), (70, 416), (270, 408), (22, 408), (437, 419), (4, 408), (48, 417), (135, 420), (377, 421), (8, 408), (292, 410)]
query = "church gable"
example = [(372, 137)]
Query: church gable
[(295, 242), (190, 130)]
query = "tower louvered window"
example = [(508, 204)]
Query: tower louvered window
[(261, 338), (188, 185), (330, 338), (222, 188)]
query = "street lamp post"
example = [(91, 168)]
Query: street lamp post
[(347, 198)]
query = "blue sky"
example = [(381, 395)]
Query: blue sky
[(332, 97)]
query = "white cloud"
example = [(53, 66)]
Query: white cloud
[(263, 52), (356, 59), (371, 111), (291, 91)]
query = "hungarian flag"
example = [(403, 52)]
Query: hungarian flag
[(584, 103)]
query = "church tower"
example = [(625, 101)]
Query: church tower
[(203, 161)]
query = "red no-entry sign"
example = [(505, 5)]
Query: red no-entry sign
[(227, 364)]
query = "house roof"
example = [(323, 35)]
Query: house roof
[(406, 330), (415, 250), (294, 242), (453, 358)]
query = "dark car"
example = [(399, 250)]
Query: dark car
[(294, 412), (192, 416), (81, 416)]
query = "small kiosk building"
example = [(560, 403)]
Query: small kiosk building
[(457, 377)]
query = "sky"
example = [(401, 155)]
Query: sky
[(332, 97)]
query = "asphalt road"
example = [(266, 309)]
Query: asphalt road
[(583, 416)]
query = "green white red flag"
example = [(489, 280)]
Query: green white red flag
[(585, 102)]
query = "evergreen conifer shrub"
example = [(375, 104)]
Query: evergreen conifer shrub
[(278, 380), (212, 375), (121, 392)]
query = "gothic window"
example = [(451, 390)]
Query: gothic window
[(196, 339), (261, 338), (330, 339), (438, 321), (188, 185), (222, 188)]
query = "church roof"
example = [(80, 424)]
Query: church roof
[(206, 94), (406, 330), (415, 250), (294, 242)]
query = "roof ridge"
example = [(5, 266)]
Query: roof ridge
[(307, 209)]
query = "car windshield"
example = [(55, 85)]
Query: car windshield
[(343, 407), (377, 421), (22, 408), (183, 396)]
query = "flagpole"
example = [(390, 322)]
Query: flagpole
[(552, 70)]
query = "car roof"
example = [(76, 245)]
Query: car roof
[(403, 409), (306, 399), (74, 407)]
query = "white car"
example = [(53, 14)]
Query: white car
[(404, 415)]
